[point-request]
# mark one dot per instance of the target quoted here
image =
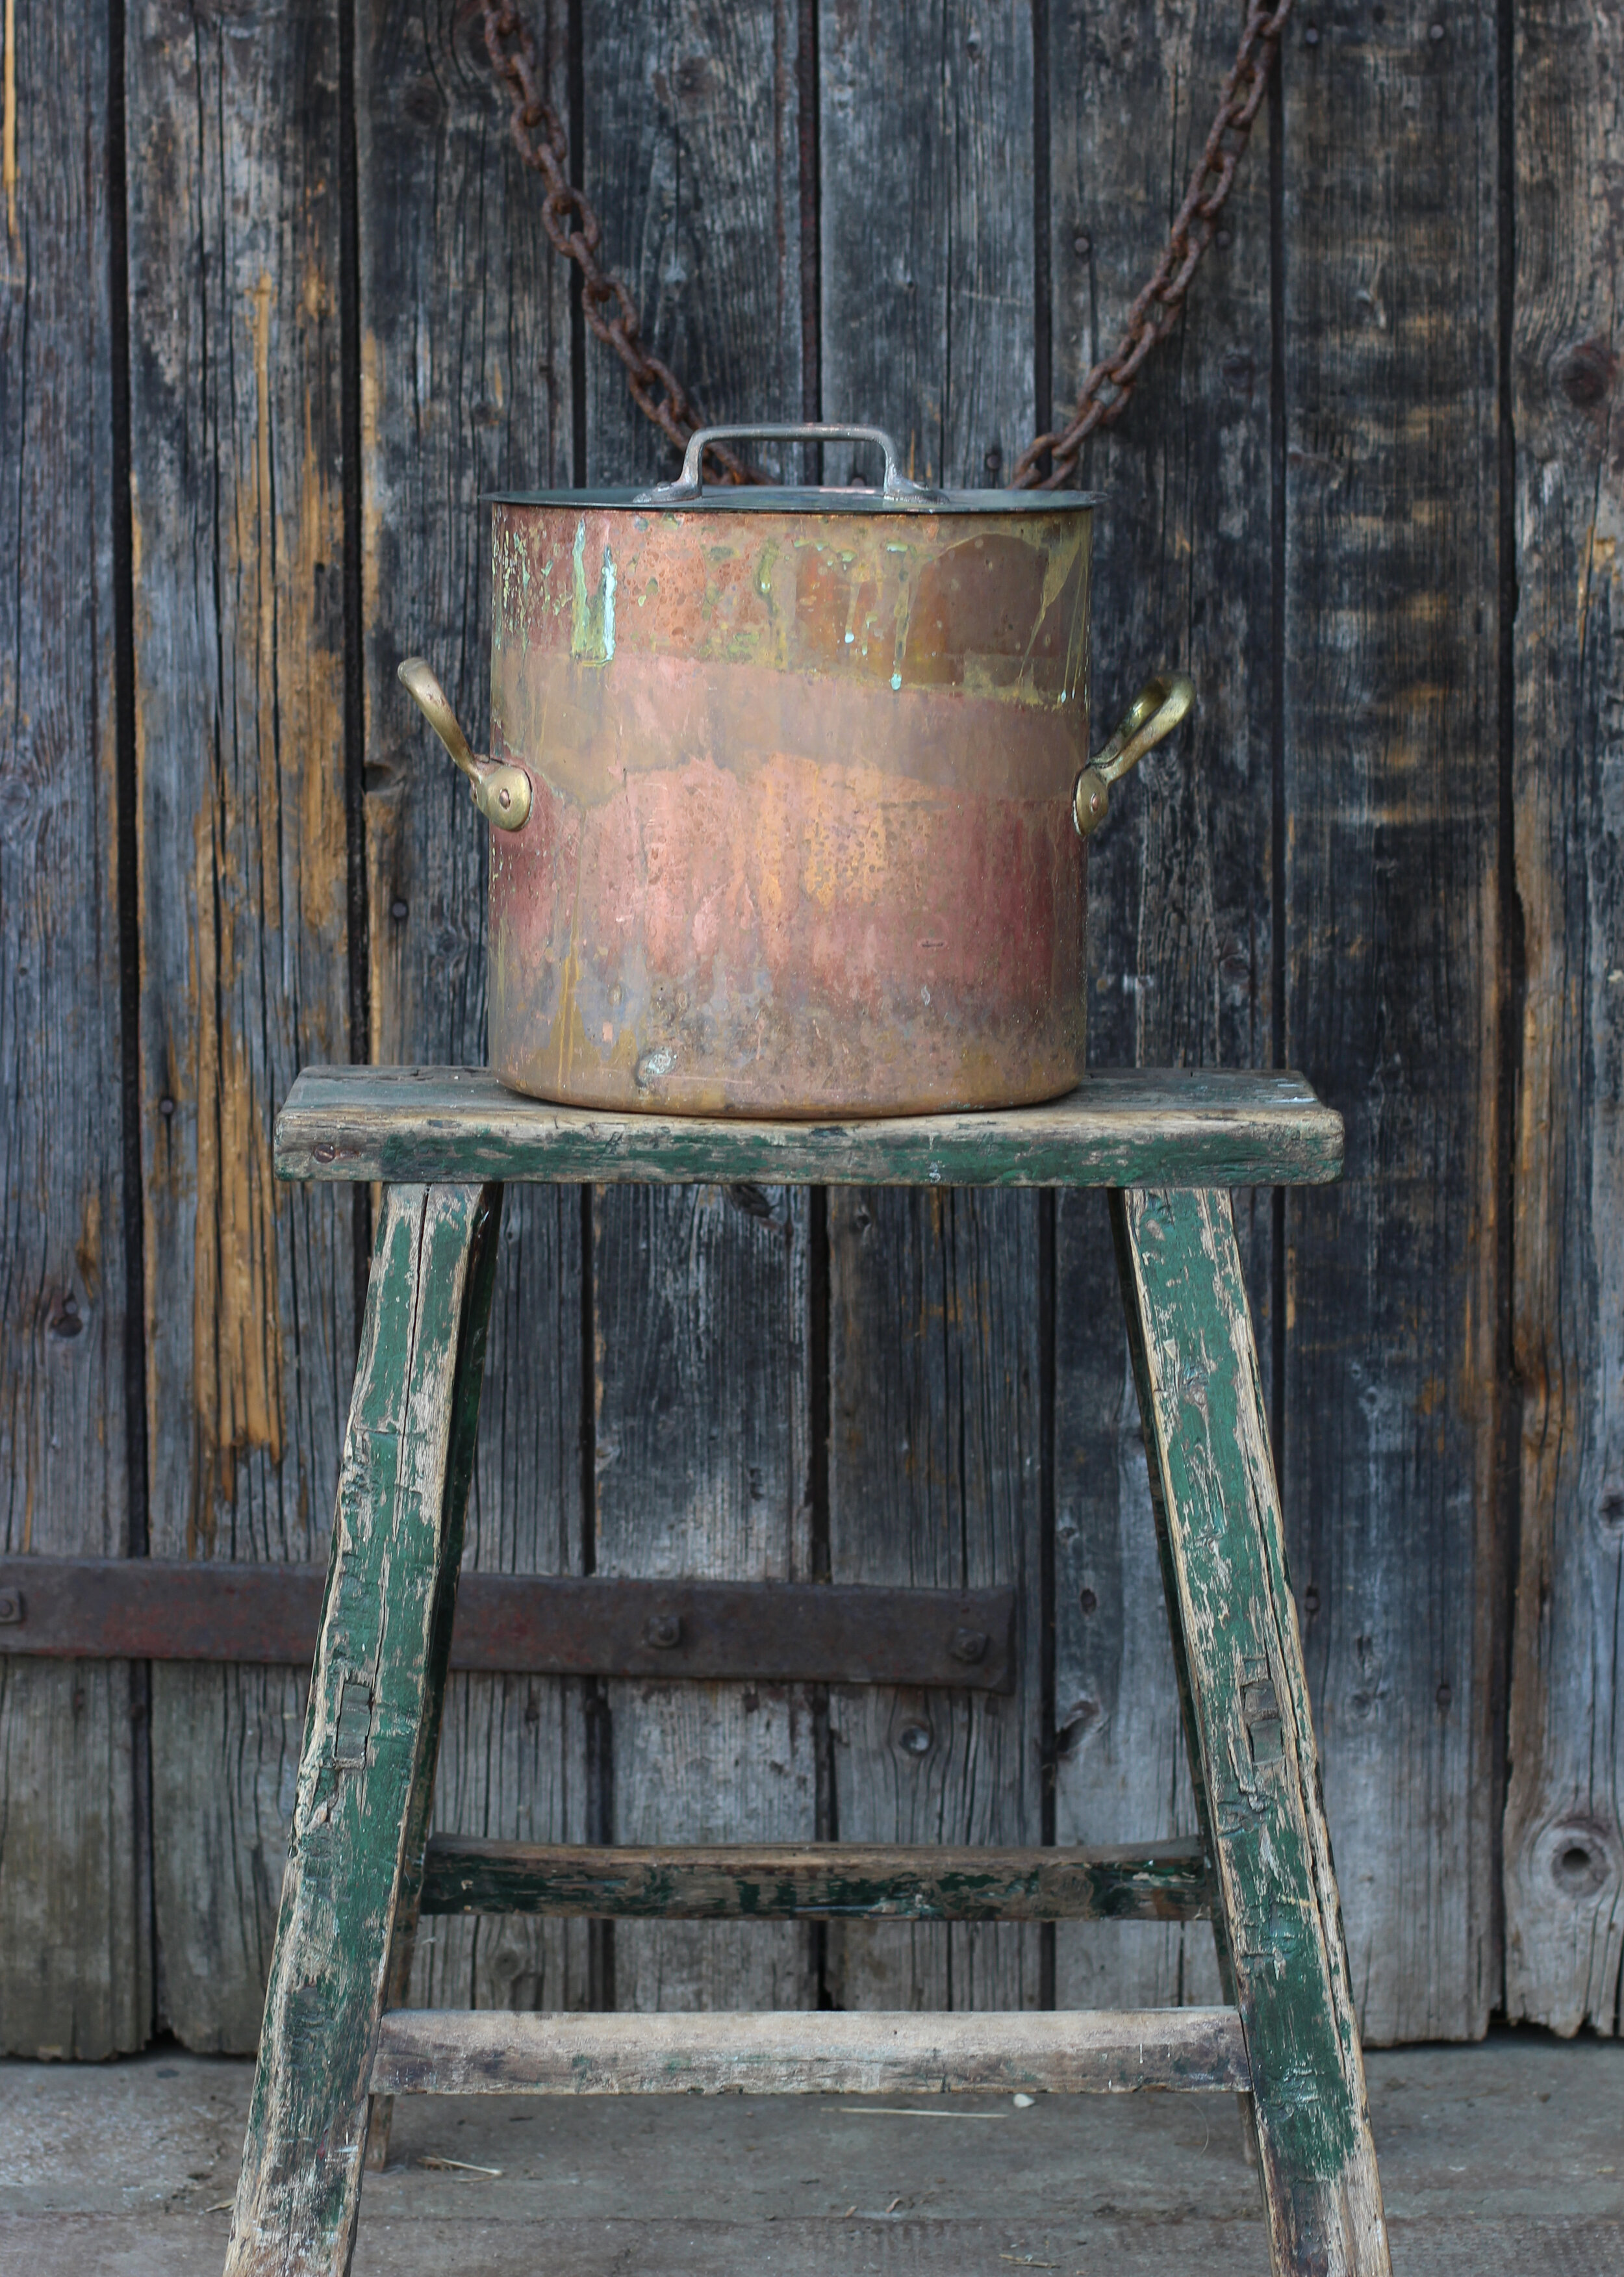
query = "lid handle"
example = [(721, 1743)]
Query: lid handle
[(690, 483)]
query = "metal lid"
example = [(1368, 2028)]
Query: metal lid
[(896, 495)]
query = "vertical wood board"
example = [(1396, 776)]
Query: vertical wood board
[(1564, 1836), (465, 384), (701, 1400), (1393, 984), (74, 1975), (513, 1749), (1180, 921), (233, 287), (465, 387), (699, 1294), (935, 1455)]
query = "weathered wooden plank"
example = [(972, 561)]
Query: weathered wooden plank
[(701, 1464), (1154, 1881), (1202, 1400), (465, 379), (824, 2054), (1395, 981), (235, 444), (690, 144), (461, 1444), (74, 1965), (397, 1537), (1123, 1127), (1119, 1757), (934, 1476), (466, 387), (1564, 1836), (926, 182), (1181, 927)]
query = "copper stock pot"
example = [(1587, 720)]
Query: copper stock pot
[(790, 792)]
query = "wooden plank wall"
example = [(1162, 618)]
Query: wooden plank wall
[(322, 317), (74, 1957)]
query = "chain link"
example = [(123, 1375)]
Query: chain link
[(574, 230), (1049, 460), (1108, 388)]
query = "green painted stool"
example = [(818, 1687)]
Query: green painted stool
[(443, 1141)]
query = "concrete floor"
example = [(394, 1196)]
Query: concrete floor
[(1503, 2160)]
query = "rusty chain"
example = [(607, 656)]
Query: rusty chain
[(574, 230), (1107, 391), (611, 313)]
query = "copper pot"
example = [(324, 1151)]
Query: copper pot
[(790, 792)]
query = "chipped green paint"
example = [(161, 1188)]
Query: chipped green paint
[(591, 624), (1139, 1126), (396, 1530), (1155, 1882), (1230, 1603)]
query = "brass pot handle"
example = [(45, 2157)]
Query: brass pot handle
[(502, 794), (1156, 712)]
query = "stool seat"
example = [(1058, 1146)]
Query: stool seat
[(338, 2041)]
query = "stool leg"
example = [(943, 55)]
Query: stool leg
[(420, 1808), (372, 1723), (1251, 1740)]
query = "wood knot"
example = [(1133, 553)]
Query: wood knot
[(1584, 373)]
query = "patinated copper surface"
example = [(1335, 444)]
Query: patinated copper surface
[(801, 839)]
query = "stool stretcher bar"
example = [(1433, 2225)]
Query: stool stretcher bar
[(815, 2052), (825, 1881)]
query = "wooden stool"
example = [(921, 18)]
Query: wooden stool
[(443, 1140)]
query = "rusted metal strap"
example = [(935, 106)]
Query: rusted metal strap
[(824, 1881), (760, 1631)]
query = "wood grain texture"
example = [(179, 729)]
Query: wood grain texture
[(1120, 1768), (935, 1455), (513, 1747), (1180, 919), (1564, 1835), (819, 2054), (700, 1391), (466, 387), (701, 1464), (234, 404), (73, 1967), (691, 148), (1202, 1397), (935, 1460), (1228, 1127), (1393, 988), (369, 1742), (826, 1880)]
